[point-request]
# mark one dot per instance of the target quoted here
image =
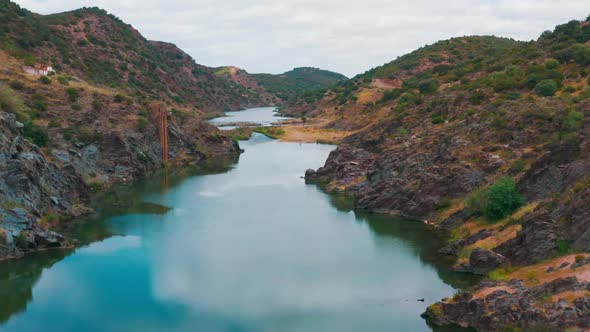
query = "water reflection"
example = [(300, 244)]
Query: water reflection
[(241, 247)]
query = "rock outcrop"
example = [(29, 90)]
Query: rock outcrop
[(496, 306), (30, 187), (483, 261)]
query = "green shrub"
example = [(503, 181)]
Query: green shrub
[(551, 64), (35, 134), (17, 85), (45, 80), (407, 100), (578, 53), (513, 95), (563, 247), (573, 121), (477, 97), (428, 86), (518, 166), (118, 98), (503, 198), (73, 94), (509, 78), (39, 102), (390, 95), (86, 135), (142, 123), (96, 104), (437, 119), (63, 79), (546, 88), (68, 133)]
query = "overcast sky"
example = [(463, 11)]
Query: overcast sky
[(345, 36)]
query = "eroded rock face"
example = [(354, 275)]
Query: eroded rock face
[(552, 173), (536, 241), (482, 261), (344, 169), (494, 306), (29, 186), (400, 180), (573, 220)]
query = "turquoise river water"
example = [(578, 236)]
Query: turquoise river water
[(241, 246)]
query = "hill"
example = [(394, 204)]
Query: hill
[(98, 47), (485, 137), (298, 82)]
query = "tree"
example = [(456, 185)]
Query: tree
[(503, 199), (546, 88)]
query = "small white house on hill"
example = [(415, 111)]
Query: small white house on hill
[(38, 70)]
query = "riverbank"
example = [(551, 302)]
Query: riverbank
[(44, 191), (249, 246)]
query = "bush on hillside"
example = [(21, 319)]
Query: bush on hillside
[(45, 80), (578, 53), (551, 64), (73, 94), (503, 199), (35, 134), (573, 120), (546, 88), (390, 95), (477, 97), (509, 78), (429, 86), (437, 119)]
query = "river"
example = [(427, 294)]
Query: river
[(243, 246)]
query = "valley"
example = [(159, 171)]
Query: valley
[(451, 183)]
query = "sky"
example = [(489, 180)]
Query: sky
[(350, 37)]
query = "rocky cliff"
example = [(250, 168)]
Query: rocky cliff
[(33, 191), (487, 138)]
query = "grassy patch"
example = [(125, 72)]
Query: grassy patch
[(239, 134), (271, 132), (498, 274)]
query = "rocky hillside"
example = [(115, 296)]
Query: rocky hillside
[(98, 47), (93, 122), (486, 137), (33, 191)]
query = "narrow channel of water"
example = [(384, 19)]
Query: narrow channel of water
[(242, 246)]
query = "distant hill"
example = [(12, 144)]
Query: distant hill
[(298, 81)]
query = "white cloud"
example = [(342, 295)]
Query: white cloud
[(341, 35)]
